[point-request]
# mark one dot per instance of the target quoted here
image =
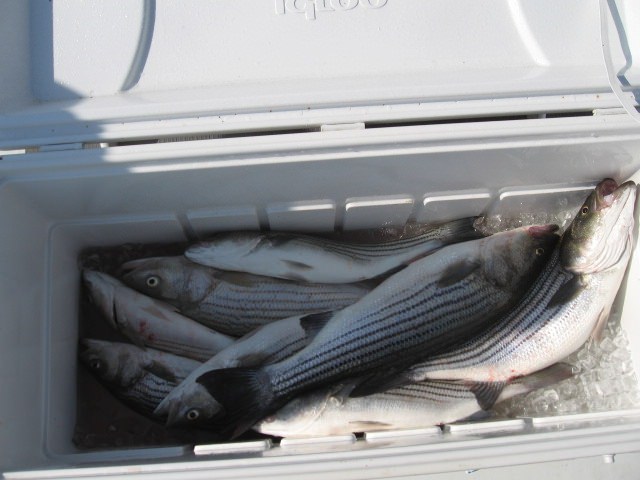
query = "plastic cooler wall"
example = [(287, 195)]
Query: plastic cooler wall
[(148, 194)]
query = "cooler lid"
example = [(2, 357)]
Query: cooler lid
[(75, 70)]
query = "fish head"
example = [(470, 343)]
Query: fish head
[(512, 259), (193, 407), (114, 363), (111, 296), (224, 250), (602, 231), (166, 278), (297, 416)]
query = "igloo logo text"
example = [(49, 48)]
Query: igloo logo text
[(311, 7)]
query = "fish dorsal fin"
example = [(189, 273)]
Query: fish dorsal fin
[(486, 392), (314, 322), (567, 292), (160, 370), (379, 382), (457, 272)]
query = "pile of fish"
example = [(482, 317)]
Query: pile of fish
[(294, 335)]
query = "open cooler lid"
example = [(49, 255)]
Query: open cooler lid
[(93, 71)]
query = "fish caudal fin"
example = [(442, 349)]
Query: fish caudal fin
[(460, 230), (245, 396)]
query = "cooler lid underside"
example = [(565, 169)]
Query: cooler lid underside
[(68, 62)]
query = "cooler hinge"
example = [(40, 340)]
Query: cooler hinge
[(58, 147), (609, 111), (333, 127)]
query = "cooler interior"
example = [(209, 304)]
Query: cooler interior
[(54, 205)]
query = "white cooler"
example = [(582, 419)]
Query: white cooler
[(159, 121)]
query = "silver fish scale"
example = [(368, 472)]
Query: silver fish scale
[(428, 240), (238, 310), (147, 392), (531, 336), (197, 352), (436, 392), (409, 324), (284, 349)]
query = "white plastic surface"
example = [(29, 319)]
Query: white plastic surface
[(55, 204), (82, 70)]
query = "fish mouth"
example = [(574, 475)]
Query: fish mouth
[(132, 265), (607, 235), (86, 344), (164, 407), (196, 252), (103, 291), (613, 202)]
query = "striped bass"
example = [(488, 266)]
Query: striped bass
[(142, 378), (314, 259), (149, 322), (190, 403), (331, 411), (230, 302), (561, 310), (420, 311)]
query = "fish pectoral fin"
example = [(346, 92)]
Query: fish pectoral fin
[(160, 370), (379, 382), (295, 265), (457, 272), (314, 322), (367, 425), (479, 415), (567, 291), (601, 323), (486, 392), (540, 379)]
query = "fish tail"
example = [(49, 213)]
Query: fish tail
[(460, 230), (245, 395)]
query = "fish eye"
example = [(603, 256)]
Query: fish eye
[(539, 251), (95, 364), (153, 281), (193, 414), (584, 210)]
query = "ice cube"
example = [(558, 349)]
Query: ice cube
[(568, 406), (629, 382), (540, 405), (620, 355), (568, 390), (605, 374), (626, 366), (621, 341), (607, 345)]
